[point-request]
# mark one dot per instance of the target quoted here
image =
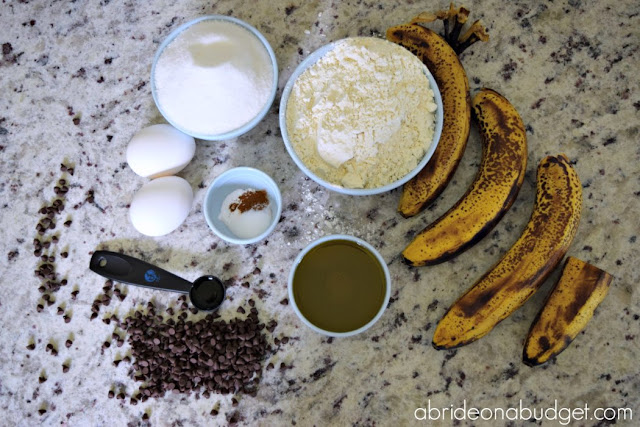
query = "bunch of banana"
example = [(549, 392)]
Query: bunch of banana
[(521, 271), (566, 311), (495, 188)]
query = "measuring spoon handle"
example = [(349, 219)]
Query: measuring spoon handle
[(134, 271)]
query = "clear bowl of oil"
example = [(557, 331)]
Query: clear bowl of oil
[(339, 285)]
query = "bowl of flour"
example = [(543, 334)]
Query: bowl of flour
[(361, 116), (214, 77)]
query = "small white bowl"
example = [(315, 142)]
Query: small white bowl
[(229, 181), (308, 62), (362, 243), (247, 126)]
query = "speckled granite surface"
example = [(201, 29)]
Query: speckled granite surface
[(75, 88)]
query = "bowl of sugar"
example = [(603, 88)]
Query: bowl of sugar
[(214, 77)]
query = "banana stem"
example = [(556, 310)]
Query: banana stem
[(454, 20), (460, 20)]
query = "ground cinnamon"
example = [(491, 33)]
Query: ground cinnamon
[(251, 199)]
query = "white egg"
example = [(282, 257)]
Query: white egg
[(160, 150), (160, 206)]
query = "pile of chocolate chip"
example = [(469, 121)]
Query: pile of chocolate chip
[(208, 355)]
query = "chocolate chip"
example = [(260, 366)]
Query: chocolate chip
[(68, 343), (65, 369), (111, 394), (184, 356), (31, 346)]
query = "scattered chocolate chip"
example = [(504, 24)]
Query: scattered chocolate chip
[(65, 368), (67, 223), (39, 308), (66, 318), (214, 412), (42, 379), (145, 416), (285, 301), (42, 411), (31, 346), (111, 394), (60, 310)]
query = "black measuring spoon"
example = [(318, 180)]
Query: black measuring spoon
[(206, 292)]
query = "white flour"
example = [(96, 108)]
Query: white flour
[(213, 78), (363, 115)]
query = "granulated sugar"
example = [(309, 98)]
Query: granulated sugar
[(363, 115), (213, 78)]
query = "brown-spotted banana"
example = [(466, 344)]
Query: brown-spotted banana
[(522, 270), (444, 65), (495, 188), (566, 311)]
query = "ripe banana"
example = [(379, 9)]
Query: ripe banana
[(566, 311), (452, 81), (522, 270), (504, 162)]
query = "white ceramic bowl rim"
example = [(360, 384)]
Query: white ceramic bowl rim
[(247, 126), (309, 61), (210, 193), (360, 242)]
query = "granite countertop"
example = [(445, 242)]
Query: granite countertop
[(75, 80)]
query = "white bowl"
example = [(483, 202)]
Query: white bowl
[(247, 126), (362, 243), (309, 61), (229, 181)]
